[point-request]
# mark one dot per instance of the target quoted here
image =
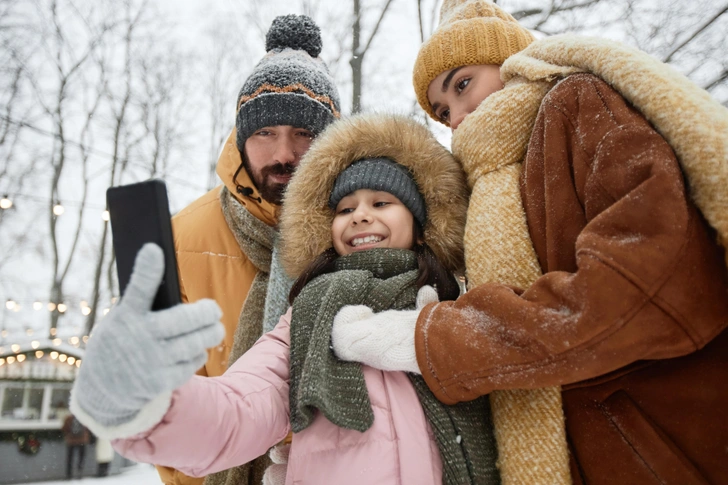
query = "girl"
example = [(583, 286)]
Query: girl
[(376, 211)]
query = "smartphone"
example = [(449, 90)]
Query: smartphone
[(139, 213)]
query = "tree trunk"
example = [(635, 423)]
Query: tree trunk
[(357, 58)]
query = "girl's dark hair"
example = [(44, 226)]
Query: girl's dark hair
[(431, 270), (323, 264)]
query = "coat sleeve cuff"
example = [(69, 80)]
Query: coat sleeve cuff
[(148, 416), (422, 350)]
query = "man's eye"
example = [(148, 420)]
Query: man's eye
[(306, 134), (381, 204)]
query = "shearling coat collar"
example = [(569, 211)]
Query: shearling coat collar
[(305, 221)]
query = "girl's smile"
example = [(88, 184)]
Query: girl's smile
[(367, 219), (365, 240)]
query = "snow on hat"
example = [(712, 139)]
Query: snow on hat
[(291, 85)]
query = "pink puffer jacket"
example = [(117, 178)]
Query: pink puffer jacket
[(217, 423)]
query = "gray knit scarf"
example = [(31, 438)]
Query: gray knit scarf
[(382, 279), (269, 288)]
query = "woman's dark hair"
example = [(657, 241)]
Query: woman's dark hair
[(431, 270)]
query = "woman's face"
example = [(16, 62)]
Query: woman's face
[(367, 219), (456, 93)]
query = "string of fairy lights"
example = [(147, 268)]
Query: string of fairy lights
[(20, 351), (38, 305), (53, 354), (8, 202), (15, 306)]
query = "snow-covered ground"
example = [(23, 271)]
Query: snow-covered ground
[(140, 474)]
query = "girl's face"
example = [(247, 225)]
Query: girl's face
[(367, 219), (456, 93)]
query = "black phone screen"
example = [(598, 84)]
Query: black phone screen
[(139, 213)]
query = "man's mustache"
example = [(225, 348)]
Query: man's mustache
[(278, 169)]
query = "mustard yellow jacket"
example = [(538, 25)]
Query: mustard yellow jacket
[(212, 265)]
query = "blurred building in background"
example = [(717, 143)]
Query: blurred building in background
[(35, 386)]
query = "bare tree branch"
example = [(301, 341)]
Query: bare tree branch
[(357, 55), (717, 80), (696, 33), (421, 22), (376, 27), (521, 14)]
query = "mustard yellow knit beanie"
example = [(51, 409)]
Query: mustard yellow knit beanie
[(470, 32)]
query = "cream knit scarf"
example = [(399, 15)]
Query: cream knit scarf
[(491, 144)]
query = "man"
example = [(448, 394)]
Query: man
[(225, 239), (605, 170)]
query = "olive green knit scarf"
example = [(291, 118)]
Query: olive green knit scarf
[(382, 279), (256, 241)]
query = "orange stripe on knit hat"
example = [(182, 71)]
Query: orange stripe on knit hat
[(470, 32)]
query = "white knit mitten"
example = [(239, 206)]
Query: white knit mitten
[(136, 357), (383, 340), (276, 473)]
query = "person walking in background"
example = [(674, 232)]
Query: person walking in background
[(595, 253), (76, 436), (104, 456), (226, 240)]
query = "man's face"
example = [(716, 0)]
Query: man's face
[(456, 93), (271, 155)]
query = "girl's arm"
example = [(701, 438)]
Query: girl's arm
[(217, 423)]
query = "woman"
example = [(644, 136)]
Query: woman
[(571, 176)]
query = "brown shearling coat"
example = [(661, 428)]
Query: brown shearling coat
[(629, 315)]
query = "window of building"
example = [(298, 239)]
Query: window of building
[(60, 400), (25, 403), (12, 400)]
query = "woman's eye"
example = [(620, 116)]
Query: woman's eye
[(381, 204), (444, 115), (345, 210), (462, 84)]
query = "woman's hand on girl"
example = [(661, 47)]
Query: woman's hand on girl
[(385, 340), (136, 357)]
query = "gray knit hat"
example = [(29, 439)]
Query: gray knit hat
[(380, 174), (291, 84)]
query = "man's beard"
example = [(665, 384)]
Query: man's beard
[(270, 191)]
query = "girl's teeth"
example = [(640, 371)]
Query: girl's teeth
[(365, 240)]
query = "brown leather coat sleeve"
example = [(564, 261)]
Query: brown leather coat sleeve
[(631, 269)]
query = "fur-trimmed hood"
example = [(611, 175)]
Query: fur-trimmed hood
[(305, 220)]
